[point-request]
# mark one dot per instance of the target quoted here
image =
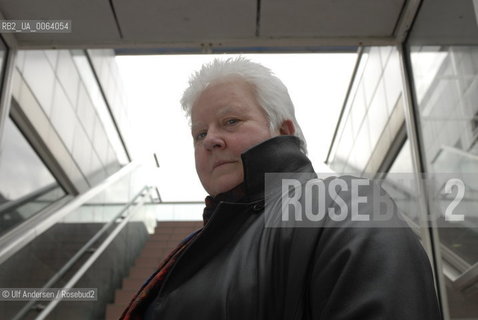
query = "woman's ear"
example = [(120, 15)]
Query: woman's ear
[(287, 128)]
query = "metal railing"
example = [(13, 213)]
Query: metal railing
[(13, 204), (37, 224), (122, 218)]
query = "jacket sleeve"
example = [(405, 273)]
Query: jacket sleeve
[(370, 272)]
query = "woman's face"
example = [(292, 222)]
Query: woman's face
[(226, 120)]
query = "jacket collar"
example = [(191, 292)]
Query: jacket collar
[(279, 154)]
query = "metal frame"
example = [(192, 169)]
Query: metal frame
[(344, 105), (296, 45), (467, 279), (24, 124), (6, 88), (101, 87), (406, 20), (9, 38), (430, 233)]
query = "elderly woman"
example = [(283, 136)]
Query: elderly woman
[(239, 267)]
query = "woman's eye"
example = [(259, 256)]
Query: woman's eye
[(201, 135), (232, 121)]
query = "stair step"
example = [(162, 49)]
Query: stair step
[(145, 262), (179, 224), (167, 236), (171, 235), (114, 311), (139, 272), (164, 243), (123, 298), (156, 246), (133, 284), (154, 252)]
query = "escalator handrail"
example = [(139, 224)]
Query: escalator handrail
[(15, 239), (13, 204), (123, 214)]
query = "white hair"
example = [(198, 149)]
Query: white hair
[(270, 92)]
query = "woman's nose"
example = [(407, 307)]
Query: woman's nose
[(214, 140)]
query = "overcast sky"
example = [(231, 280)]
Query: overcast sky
[(317, 84)]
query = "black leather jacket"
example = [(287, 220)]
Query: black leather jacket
[(239, 269)]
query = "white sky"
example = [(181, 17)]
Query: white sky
[(317, 84)]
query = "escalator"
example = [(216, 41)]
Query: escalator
[(90, 242)]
